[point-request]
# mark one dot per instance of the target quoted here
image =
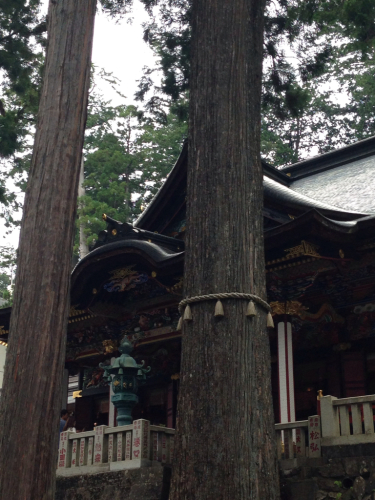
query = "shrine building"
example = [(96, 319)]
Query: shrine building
[(319, 236)]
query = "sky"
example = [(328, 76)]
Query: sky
[(118, 48)]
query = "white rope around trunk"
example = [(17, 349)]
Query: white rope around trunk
[(219, 310)]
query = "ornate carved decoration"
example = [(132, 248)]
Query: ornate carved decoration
[(123, 272), (292, 307), (326, 312), (305, 248), (109, 346), (75, 312)]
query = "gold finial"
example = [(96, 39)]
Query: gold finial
[(104, 216), (320, 394)]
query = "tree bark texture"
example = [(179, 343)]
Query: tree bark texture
[(31, 396), (225, 444)]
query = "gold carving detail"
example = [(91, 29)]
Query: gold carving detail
[(109, 346), (305, 248), (123, 272), (292, 307), (75, 312)]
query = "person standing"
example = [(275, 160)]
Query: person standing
[(64, 415)]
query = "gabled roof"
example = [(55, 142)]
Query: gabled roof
[(344, 178), (333, 159), (279, 195)]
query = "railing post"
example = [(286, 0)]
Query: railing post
[(74, 452), (368, 418), (110, 448), (356, 419), (82, 449), (99, 444), (141, 439), (63, 450), (90, 451), (119, 447), (329, 417), (314, 436), (128, 445)]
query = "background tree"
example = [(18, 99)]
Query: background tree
[(22, 39), (127, 157), (36, 349), (8, 260), (307, 46)]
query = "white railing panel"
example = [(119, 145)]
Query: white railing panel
[(114, 448), (344, 420), (291, 438), (120, 449), (356, 419), (368, 418)]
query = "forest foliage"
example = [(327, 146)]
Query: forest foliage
[(318, 94)]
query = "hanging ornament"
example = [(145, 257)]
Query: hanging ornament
[(187, 314), (270, 321), (251, 311), (219, 310)]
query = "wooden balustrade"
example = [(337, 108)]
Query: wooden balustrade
[(299, 439), (342, 421), (114, 448), (347, 421)]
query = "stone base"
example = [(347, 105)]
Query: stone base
[(349, 478), (147, 483)]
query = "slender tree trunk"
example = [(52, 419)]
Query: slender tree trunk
[(83, 247), (225, 446), (31, 396)]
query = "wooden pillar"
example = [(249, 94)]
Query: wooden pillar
[(285, 369)]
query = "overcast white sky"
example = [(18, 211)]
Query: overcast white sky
[(118, 48)]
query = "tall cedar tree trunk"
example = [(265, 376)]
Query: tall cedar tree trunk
[(225, 446), (31, 396)]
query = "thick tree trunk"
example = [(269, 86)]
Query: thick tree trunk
[(31, 395), (83, 246), (225, 447)]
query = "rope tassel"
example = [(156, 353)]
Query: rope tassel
[(270, 321), (251, 311), (219, 310), (187, 314), (179, 324)]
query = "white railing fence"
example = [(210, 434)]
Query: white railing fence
[(299, 439), (342, 422), (347, 421), (114, 448)]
